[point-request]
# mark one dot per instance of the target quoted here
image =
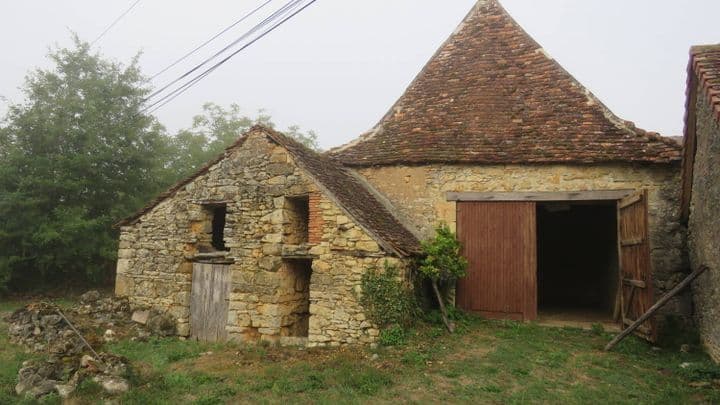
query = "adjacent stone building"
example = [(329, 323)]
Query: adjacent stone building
[(701, 187), (563, 209)]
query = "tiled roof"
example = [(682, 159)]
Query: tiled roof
[(353, 195), (346, 189), (705, 63), (492, 95)]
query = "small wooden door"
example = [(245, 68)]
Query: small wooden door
[(636, 287), (209, 301), (499, 241)]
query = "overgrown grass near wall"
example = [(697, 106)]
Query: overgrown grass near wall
[(486, 361)]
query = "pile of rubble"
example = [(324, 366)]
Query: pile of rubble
[(69, 339), (41, 377)]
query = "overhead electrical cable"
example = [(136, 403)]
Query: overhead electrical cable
[(260, 25), (197, 48), (117, 20), (186, 86), (175, 93)]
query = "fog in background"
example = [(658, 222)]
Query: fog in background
[(338, 66)]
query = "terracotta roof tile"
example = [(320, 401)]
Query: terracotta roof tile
[(705, 64), (353, 195), (492, 95)]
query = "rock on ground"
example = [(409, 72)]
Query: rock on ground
[(40, 327), (113, 385)]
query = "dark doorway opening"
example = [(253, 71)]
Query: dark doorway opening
[(294, 294), (577, 261)]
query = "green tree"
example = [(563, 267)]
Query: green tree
[(214, 130), (77, 155), (441, 262)]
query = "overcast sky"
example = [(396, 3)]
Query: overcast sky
[(339, 65)]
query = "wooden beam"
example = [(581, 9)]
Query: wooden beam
[(632, 242), (211, 202), (634, 283), (595, 195), (661, 302), (630, 201)]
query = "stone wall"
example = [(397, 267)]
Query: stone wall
[(704, 225), (419, 193), (267, 298)]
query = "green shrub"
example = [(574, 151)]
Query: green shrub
[(460, 319), (441, 261), (386, 298), (441, 264), (393, 336)]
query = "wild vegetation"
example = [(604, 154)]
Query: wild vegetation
[(389, 302), (442, 264), (484, 361), (79, 153), (387, 298)]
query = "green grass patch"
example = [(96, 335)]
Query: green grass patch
[(159, 352), (485, 362)]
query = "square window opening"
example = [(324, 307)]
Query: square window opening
[(297, 219), (218, 226), (212, 237)]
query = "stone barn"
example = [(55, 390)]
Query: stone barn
[(701, 187), (268, 242), (565, 211)]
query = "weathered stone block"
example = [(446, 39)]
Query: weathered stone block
[(124, 285), (141, 317), (183, 329), (270, 263), (368, 246), (185, 268), (123, 266)]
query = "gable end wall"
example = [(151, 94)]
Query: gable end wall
[(156, 253)]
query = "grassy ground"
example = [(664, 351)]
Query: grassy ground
[(486, 362)]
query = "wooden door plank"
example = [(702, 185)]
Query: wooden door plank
[(204, 274), (209, 301), (499, 241), (195, 302), (635, 265)]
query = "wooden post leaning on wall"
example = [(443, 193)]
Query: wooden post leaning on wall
[(661, 302)]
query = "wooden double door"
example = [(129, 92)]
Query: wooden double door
[(499, 240)]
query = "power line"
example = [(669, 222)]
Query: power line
[(171, 96), (264, 22), (246, 16), (115, 22)]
